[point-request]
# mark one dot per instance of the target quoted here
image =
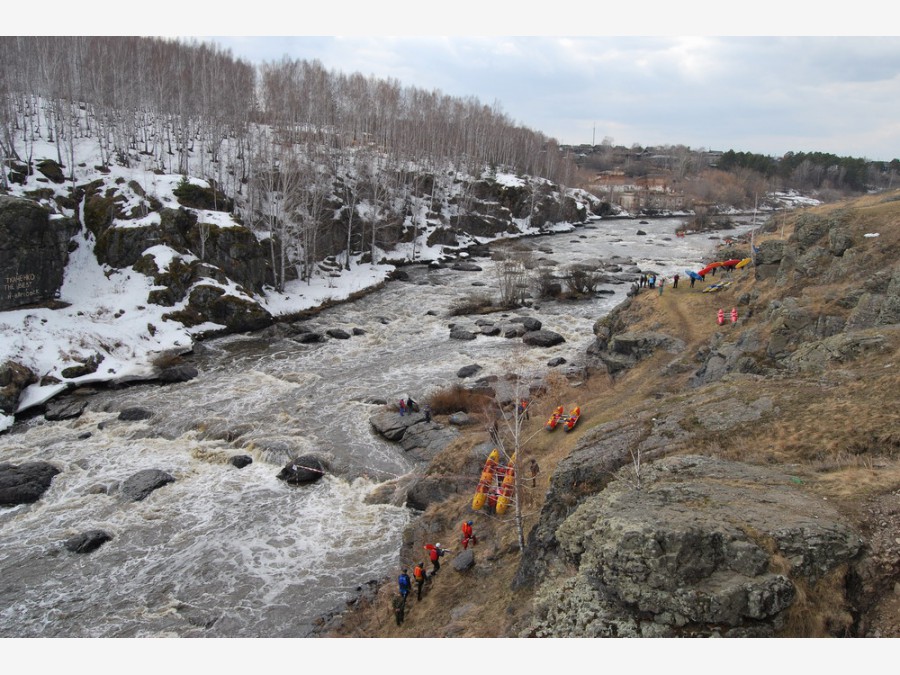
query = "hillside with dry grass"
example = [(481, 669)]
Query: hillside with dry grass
[(806, 382)]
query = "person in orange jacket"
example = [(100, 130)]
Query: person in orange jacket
[(419, 574), (467, 535)]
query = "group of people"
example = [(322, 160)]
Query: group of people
[(647, 280), (420, 576), (410, 406)]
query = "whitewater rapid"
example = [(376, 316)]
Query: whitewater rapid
[(226, 552)]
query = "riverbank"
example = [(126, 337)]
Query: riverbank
[(729, 392)]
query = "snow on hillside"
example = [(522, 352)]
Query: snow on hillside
[(108, 313)]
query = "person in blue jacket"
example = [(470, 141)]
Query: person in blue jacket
[(404, 583)]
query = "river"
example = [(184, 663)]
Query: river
[(226, 552)]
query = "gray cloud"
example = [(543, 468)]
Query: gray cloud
[(758, 94)]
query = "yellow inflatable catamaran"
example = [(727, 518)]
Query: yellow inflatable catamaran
[(487, 477), (507, 488)]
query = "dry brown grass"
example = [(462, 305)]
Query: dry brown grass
[(820, 610), (457, 398), (835, 431)]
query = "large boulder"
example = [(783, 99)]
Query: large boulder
[(140, 485), (530, 323), (88, 541), (458, 332), (24, 483), (65, 409), (542, 338), (34, 250), (302, 470)]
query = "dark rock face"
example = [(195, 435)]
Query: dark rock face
[(25, 483), (14, 378), (302, 470), (87, 542), (141, 484), (235, 251), (650, 562), (337, 334), (34, 250)]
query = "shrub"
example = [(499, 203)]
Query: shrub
[(477, 303), (456, 398)]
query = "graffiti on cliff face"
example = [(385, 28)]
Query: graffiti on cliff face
[(19, 289)]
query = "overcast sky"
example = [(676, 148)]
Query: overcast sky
[(651, 73)]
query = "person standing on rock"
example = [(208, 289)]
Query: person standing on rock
[(662, 282), (675, 281), (402, 405)]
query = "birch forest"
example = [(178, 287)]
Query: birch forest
[(315, 161)]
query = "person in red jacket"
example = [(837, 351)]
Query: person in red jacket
[(467, 535), (434, 554)]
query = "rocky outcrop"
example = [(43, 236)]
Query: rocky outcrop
[(422, 440), (24, 483), (619, 351), (233, 250), (34, 250), (207, 303), (694, 546)]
